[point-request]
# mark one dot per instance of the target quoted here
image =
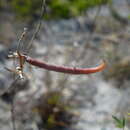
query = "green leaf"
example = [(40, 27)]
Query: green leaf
[(116, 119), (120, 123), (124, 122)]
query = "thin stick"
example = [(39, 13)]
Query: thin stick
[(10, 91), (63, 69), (21, 37), (13, 115), (43, 10), (88, 45)]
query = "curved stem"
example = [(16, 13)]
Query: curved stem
[(64, 69)]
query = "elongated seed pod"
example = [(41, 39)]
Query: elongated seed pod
[(63, 69)]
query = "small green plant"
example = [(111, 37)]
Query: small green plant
[(26, 9), (2, 4), (129, 16), (54, 112), (55, 8), (120, 123)]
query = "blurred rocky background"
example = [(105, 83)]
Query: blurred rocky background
[(78, 33)]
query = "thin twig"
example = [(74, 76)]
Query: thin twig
[(11, 92), (88, 45), (21, 38), (13, 115), (43, 10), (12, 87)]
